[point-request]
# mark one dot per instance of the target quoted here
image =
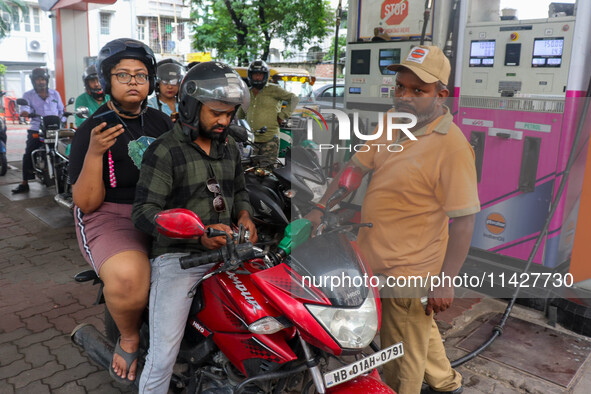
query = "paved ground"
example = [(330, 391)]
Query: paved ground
[(40, 304)]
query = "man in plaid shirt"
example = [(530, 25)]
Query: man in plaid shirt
[(196, 166)]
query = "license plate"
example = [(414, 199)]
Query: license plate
[(364, 365)]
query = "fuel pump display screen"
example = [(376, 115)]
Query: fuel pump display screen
[(547, 52), (388, 57), (360, 61), (482, 53)]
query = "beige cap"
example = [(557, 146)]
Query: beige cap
[(427, 62)]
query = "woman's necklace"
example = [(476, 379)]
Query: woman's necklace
[(111, 163)]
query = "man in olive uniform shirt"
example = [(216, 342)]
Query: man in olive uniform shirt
[(265, 110)]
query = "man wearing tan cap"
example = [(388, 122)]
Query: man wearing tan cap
[(410, 199)]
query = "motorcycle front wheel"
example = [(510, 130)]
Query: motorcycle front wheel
[(61, 179)]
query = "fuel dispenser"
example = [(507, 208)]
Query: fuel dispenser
[(519, 97), (378, 35)]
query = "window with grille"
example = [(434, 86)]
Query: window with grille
[(141, 28), (27, 20), (36, 20), (105, 23), (180, 31), (165, 35), (16, 22)]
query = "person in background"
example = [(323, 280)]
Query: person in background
[(192, 64), (94, 96), (104, 170), (265, 110), (195, 166), (169, 74), (42, 101), (410, 200)]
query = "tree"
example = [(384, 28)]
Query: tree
[(329, 57), (9, 12), (242, 30)]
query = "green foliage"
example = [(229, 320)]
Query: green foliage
[(8, 13), (2, 69), (242, 30), (329, 57)]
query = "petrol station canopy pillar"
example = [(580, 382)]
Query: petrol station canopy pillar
[(71, 44)]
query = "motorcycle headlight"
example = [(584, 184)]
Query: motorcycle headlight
[(353, 328), (50, 134)]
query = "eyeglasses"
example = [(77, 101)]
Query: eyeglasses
[(124, 77), (218, 201)]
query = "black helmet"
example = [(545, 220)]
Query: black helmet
[(209, 81), (90, 73), (124, 48), (258, 66), (170, 72), (37, 73)]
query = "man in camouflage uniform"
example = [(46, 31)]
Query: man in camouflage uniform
[(265, 110)]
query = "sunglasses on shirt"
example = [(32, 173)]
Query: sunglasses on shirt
[(218, 201)]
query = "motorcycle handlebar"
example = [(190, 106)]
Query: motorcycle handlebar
[(197, 259), (243, 252)]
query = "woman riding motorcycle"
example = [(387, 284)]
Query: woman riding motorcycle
[(169, 75), (104, 168)]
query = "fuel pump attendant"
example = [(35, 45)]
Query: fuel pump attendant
[(410, 199)]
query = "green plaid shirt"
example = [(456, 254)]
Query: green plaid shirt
[(174, 174)]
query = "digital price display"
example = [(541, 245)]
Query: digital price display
[(482, 53), (547, 52)]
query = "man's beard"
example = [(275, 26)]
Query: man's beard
[(423, 117), (97, 94), (212, 135), (40, 89)]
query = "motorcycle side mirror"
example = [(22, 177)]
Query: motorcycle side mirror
[(82, 112), (22, 101), (239, 133), (179, 223), (71, 100), (351, 178)]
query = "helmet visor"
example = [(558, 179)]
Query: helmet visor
[(170, 74), (230, 89)]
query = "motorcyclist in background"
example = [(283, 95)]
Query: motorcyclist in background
[(42, 101), (94, 96), (266, 110), (169, 74)]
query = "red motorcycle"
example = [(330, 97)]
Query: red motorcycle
[(274, 322)]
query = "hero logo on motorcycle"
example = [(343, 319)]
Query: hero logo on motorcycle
[(200, 328), (244, 291)]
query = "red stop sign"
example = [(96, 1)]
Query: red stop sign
[(394, 11)]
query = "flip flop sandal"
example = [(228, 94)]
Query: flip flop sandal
[(129, 358)]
